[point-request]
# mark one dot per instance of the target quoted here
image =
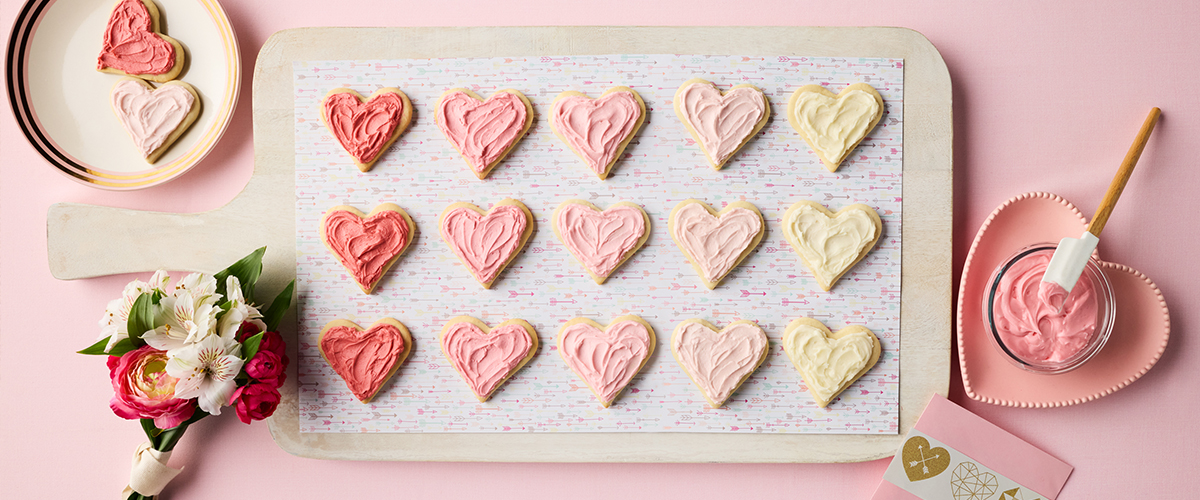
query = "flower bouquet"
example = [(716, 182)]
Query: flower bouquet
[(177, 354)]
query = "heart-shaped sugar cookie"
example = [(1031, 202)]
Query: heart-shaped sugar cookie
[(834, 124), (366, 127), (486, 357), (921, 461), (718, 362), (829, 362), (598, 130), (606, 358), (483, 132), (715, 242), (601, 240), (365, 359), (721, 123), (486, 242), (154, 118), (133, 46), (367, 244), (831, 243)]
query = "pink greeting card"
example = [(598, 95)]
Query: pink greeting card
[(952, 454)]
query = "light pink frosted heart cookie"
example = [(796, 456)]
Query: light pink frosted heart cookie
[(154, 118), (715, 242), (598, 130), (365, 358), (601, 240), (606, 358), (721, 123), (719, 361), (483, 132), (486, 242), (366, 127), (367, 244), (486, 357), (133, 46), (829, 362)]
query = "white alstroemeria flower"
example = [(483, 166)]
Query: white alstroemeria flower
[(206, 371), (238, 312), (189, 316), (114, 324)]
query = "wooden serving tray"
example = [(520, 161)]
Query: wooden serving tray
[(86, 241)]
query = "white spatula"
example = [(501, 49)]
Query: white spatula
[(1066, 265)]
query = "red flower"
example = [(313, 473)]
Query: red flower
[(255, 401), (247, 330), (142, 389), (272, 341), (267, 367)]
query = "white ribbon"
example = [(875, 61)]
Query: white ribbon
[(149, 474)]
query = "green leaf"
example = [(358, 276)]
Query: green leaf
[(274, 313), (141, 318), (250, 346), (121, 347), (96, 349), (170, 437), (247, 271)]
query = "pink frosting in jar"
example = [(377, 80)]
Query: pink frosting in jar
[(1033, 329)]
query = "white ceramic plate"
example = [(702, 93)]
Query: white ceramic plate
[(62, 103)]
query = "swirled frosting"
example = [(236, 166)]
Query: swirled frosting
[(485, 360), (596, 128), (363, 128), (718, 362), (721, 123), (606, 359), (830, 245), (828, 365), (600, 240), (363, 358), (1034, 330), (485, 243), (131, 46), (833, 126), (481, 130), (715, 244), (150, 116), (366, 246)]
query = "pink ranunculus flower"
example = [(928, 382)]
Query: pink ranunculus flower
[(255, 401), (142, 388), (267, 367)]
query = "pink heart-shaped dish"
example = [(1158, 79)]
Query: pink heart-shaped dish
[(1138, 338)]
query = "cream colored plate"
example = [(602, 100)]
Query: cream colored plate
[(62, 103), (83, 242)]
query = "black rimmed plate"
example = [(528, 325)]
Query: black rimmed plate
[(62, 103)]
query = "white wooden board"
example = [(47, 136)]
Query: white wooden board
[(81, 238)]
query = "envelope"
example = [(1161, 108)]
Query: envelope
[(952, 454)]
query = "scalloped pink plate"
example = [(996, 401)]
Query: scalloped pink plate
[(1138, 338)]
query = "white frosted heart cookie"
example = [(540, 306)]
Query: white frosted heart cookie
[(606, 358), (721, 122), (154, 118), (829, 362), (718, 362), (715, 242), (598, 130), (601, 240), (834, 124), (830, 243)]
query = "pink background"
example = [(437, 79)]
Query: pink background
[(1048, 96)]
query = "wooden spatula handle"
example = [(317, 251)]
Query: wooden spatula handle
[(1122, 177)]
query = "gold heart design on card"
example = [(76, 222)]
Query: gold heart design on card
[(921, 461), (834, 124), (968, 483), (829, 362), (831, 243)]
